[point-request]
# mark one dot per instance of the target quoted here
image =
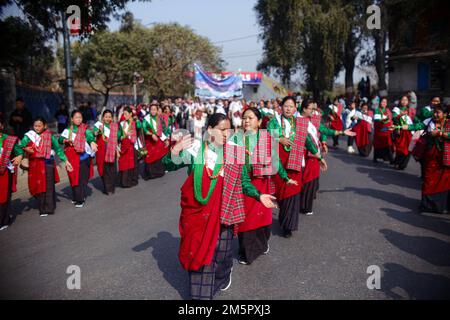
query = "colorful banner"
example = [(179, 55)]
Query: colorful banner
[(247, 77), (207, 87)]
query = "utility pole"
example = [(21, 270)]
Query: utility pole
[(68, 63)]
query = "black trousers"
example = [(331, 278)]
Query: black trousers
[(130, 178), (350, 141), (109, 177), (335, 141), (208, 280), (385, 154), (4, 208), (79, 192), (154, 170), (47, 199), (308, 194), (254, 243), (289, 213)]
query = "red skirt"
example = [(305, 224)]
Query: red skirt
[(362, 134), (312, 170), (199, 224), (337, 124), (100, 155), (285, 190), (37, 182), (382, 140), (156, 149), (256, 214), (402, 142), (4, 185), (74, 159), (126, 160), (436, 176)]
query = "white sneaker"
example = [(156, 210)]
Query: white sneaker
[(350, 150), (44, 215), (309, 213), (3, 228), (79, 205), (229, 283)]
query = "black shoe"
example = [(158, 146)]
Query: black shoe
[(287, 234)]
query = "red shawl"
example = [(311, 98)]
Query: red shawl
[(79, 143), (232, 209), (261, 158), (8, 145), (110, 155), (44, 151), (446, 155), (315, 119), (297, 153)]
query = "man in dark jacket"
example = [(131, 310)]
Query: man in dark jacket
[(20, 119)]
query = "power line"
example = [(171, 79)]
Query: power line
[(243, 56), (241, 52), (236, 39)]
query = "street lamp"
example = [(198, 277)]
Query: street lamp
[(137, 78)]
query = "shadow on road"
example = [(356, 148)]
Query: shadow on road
[(18, 207), (435, 224), (67, 192), (416, 285), (394, 198), (350, 159), (430, 249), (165, 252), (392, 177), (380, 173)]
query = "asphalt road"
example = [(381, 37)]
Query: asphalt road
[(126, 246)]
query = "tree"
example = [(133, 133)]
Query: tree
[(95, 14), (172, 50), (24, 52), (356, 16), (322, 39), (281, 26), (164, 55), (303, 34), (106, 61)]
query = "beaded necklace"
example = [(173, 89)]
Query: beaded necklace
[(439, 141), (248, 152), (198, 174), (293, 130)]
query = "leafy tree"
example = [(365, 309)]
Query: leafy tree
[(106, 61), (322, 40), (163, 55), (95, 14), (303, 35), (281, 24), (172, 51), (355, 11), (24, 52)]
